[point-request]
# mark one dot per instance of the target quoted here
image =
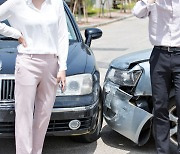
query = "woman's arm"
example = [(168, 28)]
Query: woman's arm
[(142, 8), (63, 45), (6, 30), (9, 31), (63, 40)]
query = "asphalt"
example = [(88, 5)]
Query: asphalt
[(107, 18)]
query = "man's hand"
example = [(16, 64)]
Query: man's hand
[(151, 1), (22, 41), (61, 78)]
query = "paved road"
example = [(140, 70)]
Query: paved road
[(119, 38)]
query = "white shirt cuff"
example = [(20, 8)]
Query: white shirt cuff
[(62, 66), (17, 34)]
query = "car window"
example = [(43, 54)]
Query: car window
[(71, 32)]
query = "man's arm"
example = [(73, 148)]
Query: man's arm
[(142, 8)]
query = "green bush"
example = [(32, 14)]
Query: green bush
[(92, 11), (126, 6)]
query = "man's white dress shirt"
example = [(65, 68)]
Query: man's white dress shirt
[(164, 21), (45, 30)]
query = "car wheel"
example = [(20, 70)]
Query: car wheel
[(173, 119), (173, 122), (95, 133)]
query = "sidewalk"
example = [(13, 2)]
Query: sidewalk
[(108, 18)]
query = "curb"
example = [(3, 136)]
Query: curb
[(104, 23)]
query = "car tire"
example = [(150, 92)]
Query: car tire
[(173, 124), (95, 133)]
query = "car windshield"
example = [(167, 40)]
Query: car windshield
[(71, 32)]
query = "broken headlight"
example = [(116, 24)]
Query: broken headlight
[(125, 77)]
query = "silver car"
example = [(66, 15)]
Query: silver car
[(128, 107)]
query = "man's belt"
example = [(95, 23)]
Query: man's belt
[(168, 49)]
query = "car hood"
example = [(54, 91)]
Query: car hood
[(77, 58), (8, 53), (123, 62), (76, 61)]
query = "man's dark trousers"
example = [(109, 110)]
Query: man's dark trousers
[(164, 68)]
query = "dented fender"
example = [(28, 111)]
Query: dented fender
[(123, 116)]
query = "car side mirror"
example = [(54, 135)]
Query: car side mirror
[(92, 34)]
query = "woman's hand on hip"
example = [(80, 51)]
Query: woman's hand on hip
[(22, 41), (61, 78)]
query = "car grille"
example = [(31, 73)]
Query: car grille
[(7, 90), (54, 125)]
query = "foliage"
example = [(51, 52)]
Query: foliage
[(92, 11), (128, 6)]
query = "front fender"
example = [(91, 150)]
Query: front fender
[(123, 116)]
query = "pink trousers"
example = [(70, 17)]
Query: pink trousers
[(35, 92)]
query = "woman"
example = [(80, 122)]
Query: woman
[(40, 27)]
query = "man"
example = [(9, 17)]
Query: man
[(164, 34)]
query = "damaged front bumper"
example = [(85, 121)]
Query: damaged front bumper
[(125, 117)]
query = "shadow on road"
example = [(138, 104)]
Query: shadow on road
[(52, 145), (115, 140), (65, 145)]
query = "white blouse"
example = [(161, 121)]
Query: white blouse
[(44, 30)]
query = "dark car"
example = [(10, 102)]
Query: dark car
[(78, 110), (128, 107)]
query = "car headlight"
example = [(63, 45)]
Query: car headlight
[(77, 85), (125, 77)]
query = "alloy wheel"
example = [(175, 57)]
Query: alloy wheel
[(173, 124)]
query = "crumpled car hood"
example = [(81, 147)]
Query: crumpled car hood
[(124, 61)]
